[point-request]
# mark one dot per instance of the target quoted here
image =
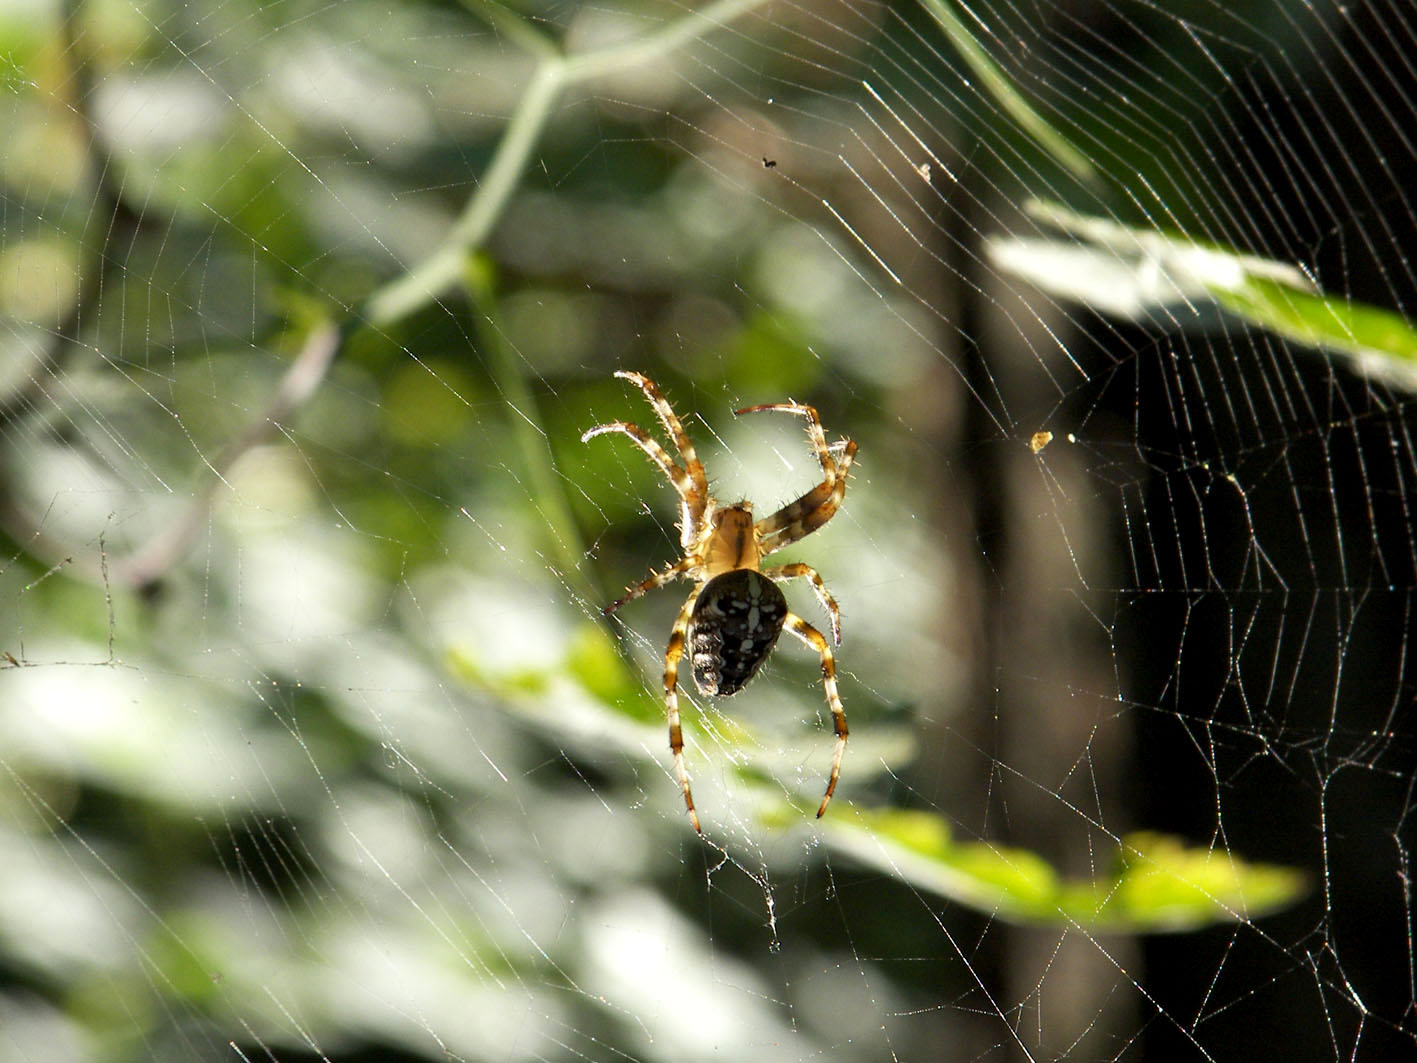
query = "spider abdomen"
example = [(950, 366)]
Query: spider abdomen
[(735, 623)]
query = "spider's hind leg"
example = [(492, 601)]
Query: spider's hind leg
[(672, 655), (813, 638)]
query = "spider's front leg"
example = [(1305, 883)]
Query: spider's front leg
[(819, 505), (667, 417), (689, 479), (672, 655), (808, 513), (692, 496)]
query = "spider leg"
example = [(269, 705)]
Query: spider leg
[(672, 653), (813, 638), (691, 496), (814, 429), (809, 512), (793, 571), (696, 494), (656, 579), (817, 506)]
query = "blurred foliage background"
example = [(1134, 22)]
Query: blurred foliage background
[(314, 742)]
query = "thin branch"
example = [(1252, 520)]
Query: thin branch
[(146, 565), (444, 267)]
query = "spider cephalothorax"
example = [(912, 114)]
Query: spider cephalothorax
[(735, 612)]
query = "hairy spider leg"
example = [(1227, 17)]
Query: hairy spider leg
[(672, 653), (812, 510), (695, 493), (813, 638), (799, 570), (815, 432), (689, 495), (656, 579), (800, 518)]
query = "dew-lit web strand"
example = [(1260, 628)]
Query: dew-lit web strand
[(843, 223), (963, 958), (851, 230), (1072, 924), (967, 107), (933, 83), (977, 106), (1261, 205), (1184, 400), (895, 176), (392, 880), (754, 40), (1357, 122), (48, 814), (1345, 621), (1091, 83), (1405, 861), (1082, 50), (97, 419), (1255, 553), (1408, 445), (1066, 48), (1207, 55), (862, 243), (863, 965), (1188, 368), (816, 44), (925, 149), (1296, 175), (1360, 454), (1379, 99), (911, 195), (250, 116), (1335, 513), (1377, 14), (1387, 730)]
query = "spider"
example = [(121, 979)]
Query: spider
[(735, 612)]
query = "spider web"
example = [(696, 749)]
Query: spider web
[(314, 742)]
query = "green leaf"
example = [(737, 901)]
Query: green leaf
[(1163, 884), (995, 82), (1381, 342), (1170, 280), (1157, 883)]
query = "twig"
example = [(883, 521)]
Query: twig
[(146, 565)]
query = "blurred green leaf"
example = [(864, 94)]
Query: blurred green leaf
[(998, 85), (1158, 883)]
